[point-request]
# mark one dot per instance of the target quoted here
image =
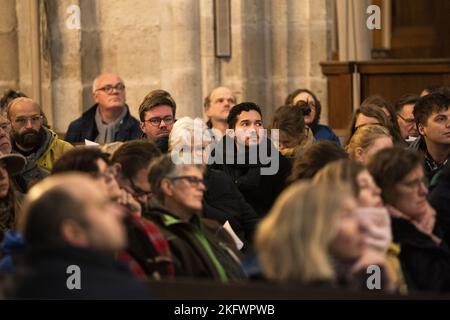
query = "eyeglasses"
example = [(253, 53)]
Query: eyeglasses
[(5, 126), (109, 88), (408, 121), (193, 181), (22, 121), (137, 192), (156, 121), (416, 183)]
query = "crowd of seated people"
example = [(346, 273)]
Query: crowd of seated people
[(234, 199)]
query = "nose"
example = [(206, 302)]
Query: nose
[(3, 173), (423, 189), (162, 124), (118, 211), (377, 190), (201, 186), (143, 199), (29, 124)]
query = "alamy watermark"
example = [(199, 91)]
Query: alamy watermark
[(373, 282), (73, 281), (249, 147), (73, 20), (374, 20)]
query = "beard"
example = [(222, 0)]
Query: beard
[(29, 139)]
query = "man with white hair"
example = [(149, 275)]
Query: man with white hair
[(109, 119)]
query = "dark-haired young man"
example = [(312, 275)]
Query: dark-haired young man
[(250, 158), (432, 116)]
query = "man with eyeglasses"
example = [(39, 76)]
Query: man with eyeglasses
[(29, 137), (132, 160), (109, 119), (157, 115), (405, 117)]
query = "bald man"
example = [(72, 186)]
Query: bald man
[(73, 230), (29, 137), (109, 119), (217, 105)]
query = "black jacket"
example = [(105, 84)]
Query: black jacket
[(189, 256), (440, 199), (431, 168), (259, 190), (425, 264), (85, 128), (46, 276), (223, 201)]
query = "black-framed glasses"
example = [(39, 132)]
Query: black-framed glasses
[(408, 121), (156, 121), (193, 181), (109, 88), (416, 183), (22, 121), (137, 191)]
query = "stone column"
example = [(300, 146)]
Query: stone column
[(180, 49), (9, 63), (65, 49)]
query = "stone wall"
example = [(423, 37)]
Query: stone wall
[(276, 47)]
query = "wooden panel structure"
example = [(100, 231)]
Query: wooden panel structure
[(340, 92), (388, 78)]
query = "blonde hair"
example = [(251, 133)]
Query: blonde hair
[(364, 137), (341, 172), (293, 239)]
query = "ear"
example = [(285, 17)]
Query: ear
[(166, 187), (74, 234), (118, 167), (94, 96), (142, 125), (206, 111), (421, 129), (359, 154)]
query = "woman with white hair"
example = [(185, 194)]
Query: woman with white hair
[(190, 141)]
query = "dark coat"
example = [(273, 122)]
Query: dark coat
[(425, 264), (85, 128), (223, 201), (46, 277), (431, 169), (189, 256), (259, 190), (440, 199), (323, 132)]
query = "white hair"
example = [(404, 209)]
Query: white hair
[(95, 83), (185, 129)]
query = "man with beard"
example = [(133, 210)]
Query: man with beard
[(109, 119), (30, 138), (157, 115)]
